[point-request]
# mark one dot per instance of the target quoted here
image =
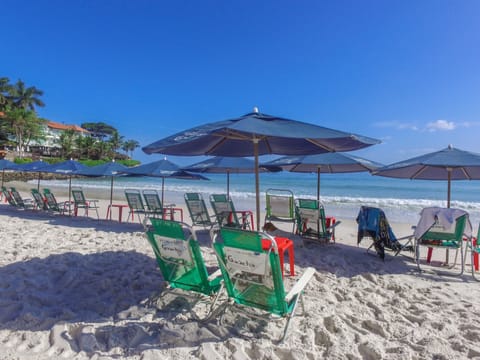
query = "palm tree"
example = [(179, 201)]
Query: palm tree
[(5, 89), (25, 97), (66, 142), (115, 142), (130, 145)]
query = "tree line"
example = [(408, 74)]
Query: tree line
[(19, 120)]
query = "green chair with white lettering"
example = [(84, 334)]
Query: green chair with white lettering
[(251, 269), (179, 258)]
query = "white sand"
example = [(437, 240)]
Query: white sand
[(77, 288)]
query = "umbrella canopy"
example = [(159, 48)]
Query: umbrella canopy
[(324, 163), (6, 165), (68, 167), (111, 169), (257, 134), (227, 165), (163, 169), (447, 164), (35, 166)]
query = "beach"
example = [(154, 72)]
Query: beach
[(81, 288)]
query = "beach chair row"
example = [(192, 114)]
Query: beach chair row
[(438, 228), (248, 271), (148, 203), (307, 216), (224, 212), (47, 201)]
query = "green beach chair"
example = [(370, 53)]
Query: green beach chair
[(53, 205), (80, 202), (8, 196), (26, 204), (180, 260), (40, 202), (153, 203), (226, 214), (443, 228), (136, 205), (312, 222), (280, 206), (198, 210), (253, 276)]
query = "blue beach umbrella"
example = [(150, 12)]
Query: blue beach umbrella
[(447, 164), (35, 166), (324, 163), (111, 169), (68, 167), (163, 169), (6, 165), (257, 134), (227, 165)]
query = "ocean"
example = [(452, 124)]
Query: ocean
[(341, 194)]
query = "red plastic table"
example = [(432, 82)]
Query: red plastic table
[(120, 208), (283, 244)]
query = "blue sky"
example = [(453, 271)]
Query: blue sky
[(405, 72)]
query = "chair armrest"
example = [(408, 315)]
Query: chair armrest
[(333, 225), (406, 237), (300, 284), (215, 275)]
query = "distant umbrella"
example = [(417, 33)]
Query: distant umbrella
[(111, 169), (447, 164), (257, 134), (227, 165), (163, 169), (6, 165), (35, 166), (324, 163), (70, 168)]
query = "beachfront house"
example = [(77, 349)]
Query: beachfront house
[(50, 144)]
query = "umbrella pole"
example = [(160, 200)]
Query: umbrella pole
[(111, 196), (318, 200), (70, 196), (3, 176), (228, 184), (449, 186), (163, 189), (38, 182), (318, 185), (257, 182)]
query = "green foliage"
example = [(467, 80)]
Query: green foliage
[(90, 162), (19, 160), (21, 123), (129, 162), (99, 130)]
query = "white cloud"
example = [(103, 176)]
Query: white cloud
[(441, 125)]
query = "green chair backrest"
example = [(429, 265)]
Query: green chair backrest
[(179, 257), (134, 200), (440, 237), (313, 211), (251, 273), (224, 210), (39, 200), (153, 202), (16, 196), (197, 209), (280, 204), (51, 200), (8, 196), (79, 197)]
